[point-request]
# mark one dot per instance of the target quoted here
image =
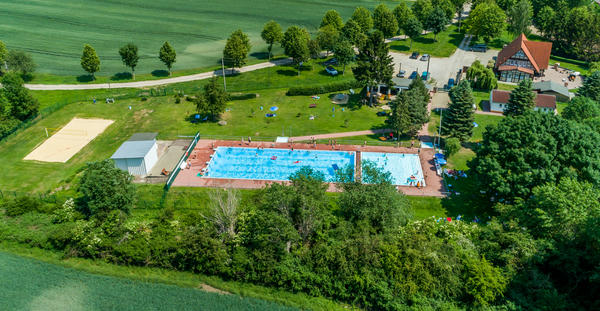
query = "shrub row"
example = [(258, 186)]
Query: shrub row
[(322, 89)]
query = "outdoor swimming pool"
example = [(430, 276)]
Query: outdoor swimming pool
[(274, 164), (402, 166)]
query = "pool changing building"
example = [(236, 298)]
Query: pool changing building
[(138, 154)]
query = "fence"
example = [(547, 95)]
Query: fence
[(182, 160)]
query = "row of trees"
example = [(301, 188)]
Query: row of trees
[(90, 62)]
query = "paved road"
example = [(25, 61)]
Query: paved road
[(150, 83)]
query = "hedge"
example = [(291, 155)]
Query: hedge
[(322, 89)]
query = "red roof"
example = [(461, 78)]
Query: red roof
[(541, 100), (522, 69), (538, 53)]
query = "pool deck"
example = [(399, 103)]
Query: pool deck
[(204, 149)]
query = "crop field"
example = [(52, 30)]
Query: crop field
[(28, 284), (54, 31)]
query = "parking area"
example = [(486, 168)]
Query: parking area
[(442, 68)]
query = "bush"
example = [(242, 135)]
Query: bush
[(22, 205), (243, 96), (451, 145), (322, 89)]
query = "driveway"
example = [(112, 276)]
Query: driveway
[(443, 68)]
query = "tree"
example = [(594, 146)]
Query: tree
[(591, 87), (295, 44), (522, 152), (581, 109), (402, 12), (213, 100), (3, 56), (344, 52), (327, 37), (400, 120), (21, 62), (363, 18), (421, 9), (373, 199), (353, 32), (545, 21), (23, 104), (484, 282), (481, 77), (409, 112), (224, 205), (236, 49), (332, 18), (130, 57), (374, 64), (271, 34), (385, 21), (90, 62), (521, 99), (447, 7), (105, 188), (167, 55), (458, 118), (413, 29), (487, 21), (459, 7), (519, 18), (451, 146), (437, 21), (314, 49)]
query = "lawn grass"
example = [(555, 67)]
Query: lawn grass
[(425, 207), (39, 279), (54, 31), (447, 42)]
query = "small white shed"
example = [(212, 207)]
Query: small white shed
[(137, 155)]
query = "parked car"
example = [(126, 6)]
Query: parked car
[(450, 83), (413, 75), (401, 74), (479, 48), (330, 62), (425, 57), (425, 76), (414, 55), (330, 70)]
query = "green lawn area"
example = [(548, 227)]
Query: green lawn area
[(425, 207), (447, 42), (35, 279), (459, 160), (55, 31), (483, 120)]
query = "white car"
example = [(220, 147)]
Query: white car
[(425, 57), (330, 70)]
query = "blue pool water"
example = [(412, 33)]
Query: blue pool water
[(401, 165), (274, 164)]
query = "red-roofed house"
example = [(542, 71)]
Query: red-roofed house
[(523, 59), (543, 102)]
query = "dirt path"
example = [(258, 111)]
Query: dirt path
[(150, 83)]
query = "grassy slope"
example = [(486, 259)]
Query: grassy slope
[(447, 42), (96, 285), (55, 31)]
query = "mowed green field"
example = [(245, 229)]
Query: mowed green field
[(29, 284), (54, 31)]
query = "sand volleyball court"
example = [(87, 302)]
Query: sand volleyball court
[(65, 143)]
